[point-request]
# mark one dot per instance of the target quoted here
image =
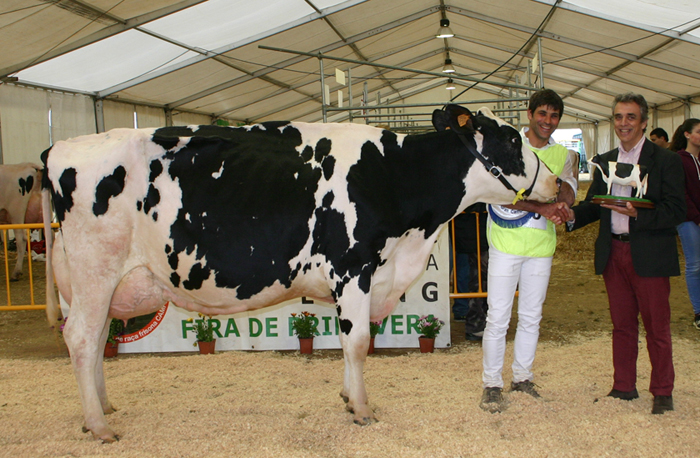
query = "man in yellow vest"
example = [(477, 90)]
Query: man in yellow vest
[(522, 240)]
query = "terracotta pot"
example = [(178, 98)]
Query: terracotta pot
[(427, 345), (370, 350), (111, 349), (206, 348), (306, 345)]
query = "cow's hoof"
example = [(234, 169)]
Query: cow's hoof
[(107, 437), (364, 421), (110, 440), (110, 409), (345, 397), (14, 279)]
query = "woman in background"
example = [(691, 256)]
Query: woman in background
[(686, 142)]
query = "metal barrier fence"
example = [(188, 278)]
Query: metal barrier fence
[(454, 294), (27, 228)]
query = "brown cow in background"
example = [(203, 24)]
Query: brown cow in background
[(20, 202)]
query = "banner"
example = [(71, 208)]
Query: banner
[(169, 330)]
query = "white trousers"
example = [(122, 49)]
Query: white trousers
[(506, 271)]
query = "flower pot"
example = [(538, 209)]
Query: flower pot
[(370, 349), (306, 345), (427, 345), (206, 348), (111, 349)]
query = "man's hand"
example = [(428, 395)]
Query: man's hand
[(628, 209), (556, 212)]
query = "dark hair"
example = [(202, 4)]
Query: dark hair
[(633, 98), (546, 97), (659, 132), (679, 141)]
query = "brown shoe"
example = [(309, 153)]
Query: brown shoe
[(492, 399), (624, 395), (525, 386), (662, 404)]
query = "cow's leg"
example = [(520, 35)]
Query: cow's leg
[(353, 314), (21, 242), (85, 334), (107, 406)]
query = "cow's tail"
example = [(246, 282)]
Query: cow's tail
[(52, 309)]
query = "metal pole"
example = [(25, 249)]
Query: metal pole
[(539, 51), (432, 104), (365, 99), (99, 115), (350, 91), (323, 92)]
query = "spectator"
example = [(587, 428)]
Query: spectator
[(686, 141), (660, 137), (636, 253), (471, 310)]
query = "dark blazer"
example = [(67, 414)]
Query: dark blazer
[(653, 232)]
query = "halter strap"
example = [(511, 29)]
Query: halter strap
[(496, 172)]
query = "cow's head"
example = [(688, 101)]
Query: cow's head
[(501, 145)]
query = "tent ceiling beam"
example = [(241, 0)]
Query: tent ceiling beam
[(290, 105), (683, 35), (578, 43), (207, 54), (588, 71), (352, 46), (121, 26), (295, 60), (392, 67)]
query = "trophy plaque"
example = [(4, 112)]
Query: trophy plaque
[(623, 174)]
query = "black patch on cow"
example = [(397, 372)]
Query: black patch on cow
[(328, 165), (168, 249), (172, 259), (139, 205), (152, 199), (154, 215), (323, 149), (63, 202), (198, 274), (175, 279), (328, 199), (262, 197), (156, 169), (345, 326), (26, 185), (110, 186), (307, 153)]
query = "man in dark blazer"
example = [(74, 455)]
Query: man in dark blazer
[(636, 252)]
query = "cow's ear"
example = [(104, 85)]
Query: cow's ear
[(453, 117)]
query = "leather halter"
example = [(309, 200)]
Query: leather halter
[(496, 171)]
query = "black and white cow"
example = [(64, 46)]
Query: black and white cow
[(624, 174), (20, 202), (221, 220)]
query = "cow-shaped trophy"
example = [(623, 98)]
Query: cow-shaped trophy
[(623, 174)]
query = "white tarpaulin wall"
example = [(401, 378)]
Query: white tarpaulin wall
[(269, 328)]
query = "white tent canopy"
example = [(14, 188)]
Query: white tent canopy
[(97, 64)]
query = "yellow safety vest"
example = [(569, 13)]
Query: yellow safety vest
[(529, 241)]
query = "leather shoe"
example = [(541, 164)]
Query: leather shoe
[(662, 404), (624, 395)]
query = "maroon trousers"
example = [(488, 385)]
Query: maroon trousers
[(630, 296)]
